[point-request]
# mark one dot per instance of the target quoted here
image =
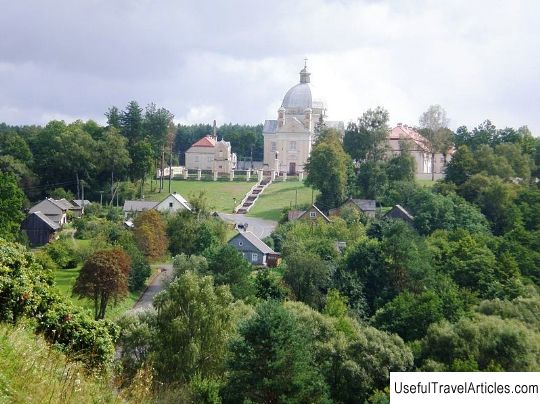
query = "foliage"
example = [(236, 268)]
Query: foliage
[(308, 277), (270, 286), (150, 234), (104, 276), (327, 171), (189, 235), (33, 371), (228, 267), (63, 253), (11, 204), (366, 139), (271, 361), (354, 359), (488, 341), (25, 290), (193, 324)]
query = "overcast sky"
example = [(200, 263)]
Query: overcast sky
[(234, 60)]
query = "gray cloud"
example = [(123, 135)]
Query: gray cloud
[(234, 60)]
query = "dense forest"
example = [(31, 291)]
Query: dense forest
[(456, 289)]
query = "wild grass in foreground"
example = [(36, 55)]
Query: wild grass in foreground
[(33, 372)]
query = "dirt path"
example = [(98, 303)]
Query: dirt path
[(156, 286)]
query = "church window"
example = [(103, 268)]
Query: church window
[(274, 146), (210, 158), (196, 159), (292, 145), (221, 154)]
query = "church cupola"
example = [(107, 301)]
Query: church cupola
[(304, 74)]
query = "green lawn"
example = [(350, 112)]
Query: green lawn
[(65, 279), (281, 195), (220, 193)]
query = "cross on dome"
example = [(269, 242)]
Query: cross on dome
[(304, 74)]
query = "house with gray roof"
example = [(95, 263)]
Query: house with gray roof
[(364, 206), (399, 212), (132, 208), (171, 203), (39, 229), (55, 209), (252, 248)]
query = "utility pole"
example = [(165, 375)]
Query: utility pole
[(161, 172), (296, 199), (170, 169), (101, 198)]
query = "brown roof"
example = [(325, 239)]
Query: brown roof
[(207, 141)]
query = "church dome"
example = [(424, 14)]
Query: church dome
[(302, 95)]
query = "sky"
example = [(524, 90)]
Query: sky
[(234, 60)]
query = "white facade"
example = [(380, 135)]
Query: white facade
[(289, 138), (173, 203)]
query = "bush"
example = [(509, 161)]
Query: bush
[(63, 253)]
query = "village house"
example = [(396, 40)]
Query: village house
[(399, 212), (39, 229), (313, 214), (254, 249), (364, 206), (171, 203), (55, 209)]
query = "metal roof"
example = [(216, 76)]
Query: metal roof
[(256, 241), (46, 220), (366, 205), (138, 206), (270, 126)]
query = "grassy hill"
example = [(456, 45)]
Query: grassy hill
[(220, 193), (281, 195), (33, 372)]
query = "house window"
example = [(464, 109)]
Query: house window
[(240, 243), (274, 147), (254, 257), (170, 204), (313, 215), (292, 145)]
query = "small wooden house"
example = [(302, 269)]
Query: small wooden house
[(399, 212), (365, 206), (254, 249), (39, 229)]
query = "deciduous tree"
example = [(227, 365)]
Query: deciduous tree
[(104, 276)]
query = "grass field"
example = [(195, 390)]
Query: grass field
[(220, 193), (65, 279), (281, 195)]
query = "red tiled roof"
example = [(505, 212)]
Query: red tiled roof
[(404, 132), (207, 141)]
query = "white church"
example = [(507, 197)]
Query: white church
[(289, 138)]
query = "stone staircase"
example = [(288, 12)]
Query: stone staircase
[(252, 196)]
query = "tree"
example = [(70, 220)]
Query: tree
[(113, 117), (434, 128), (193, 324), (104, 276), (11, 207), (228, 267), (366, 140), (271, 361), (270, 286), (487, 342), (401, 167), (156, 126), (142, 161), (461, 167), (372, 179), (114, 155), (131, 123), (308, 277), (150, 234), (327, 171)]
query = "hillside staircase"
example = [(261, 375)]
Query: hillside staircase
[(252, 196)]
